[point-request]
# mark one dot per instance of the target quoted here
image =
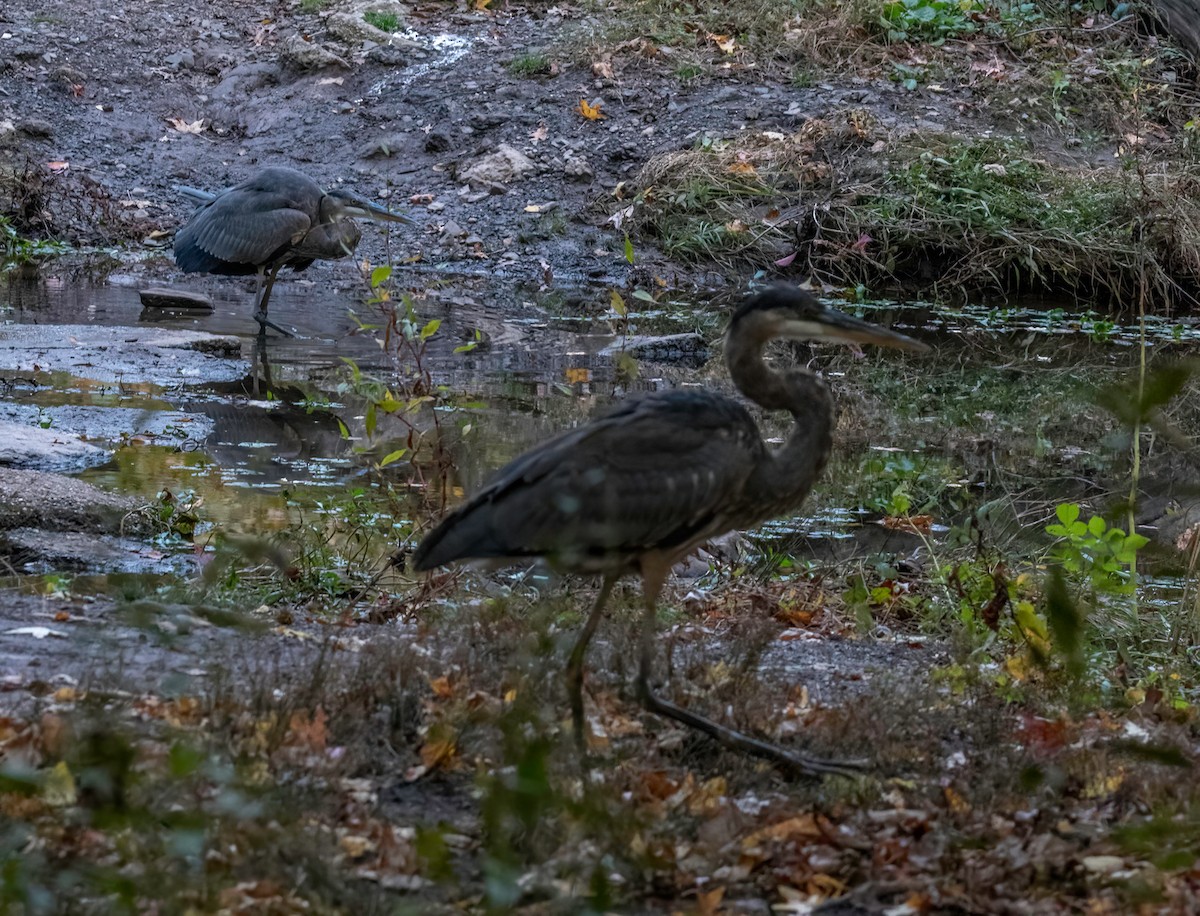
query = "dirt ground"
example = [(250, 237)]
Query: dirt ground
[(113, 96)]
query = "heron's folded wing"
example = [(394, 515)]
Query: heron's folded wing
[(238, 228), (658, 473)]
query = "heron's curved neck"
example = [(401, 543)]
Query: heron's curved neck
[(791, 470)]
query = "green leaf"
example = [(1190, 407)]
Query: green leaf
[(628, 249), (342, 428), (617, 301), (380, 275), (431, 328), (1096, 525), (392, 457), (372, 419), (1067, 512), (643, 295)]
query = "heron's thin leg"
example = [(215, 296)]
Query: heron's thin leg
[(809, 766), (574, 670), (260, 311)]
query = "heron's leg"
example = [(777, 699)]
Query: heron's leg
[(260, 309), (574, 670), (653, 576)]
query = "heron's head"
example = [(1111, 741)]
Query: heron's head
[(786, 311), (340, 204)]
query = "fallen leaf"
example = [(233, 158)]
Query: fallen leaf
[(741, 167), (58, 790), (577, 376), (724, 42), (441, 687), (590, 111), (708, 902), (437, 752), (331, 81), (540, 134), (603, 69), (187, 127), (58, 166)]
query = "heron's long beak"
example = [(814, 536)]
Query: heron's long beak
[(353, 205), (838, 327)]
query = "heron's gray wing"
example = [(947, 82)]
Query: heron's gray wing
[(660, 472), (247, 228)]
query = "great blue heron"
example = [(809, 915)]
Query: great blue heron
[(276, 218), (640, 488)]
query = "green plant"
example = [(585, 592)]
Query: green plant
[(1103, 556), (16, 250), (929, 20), (531, 63), (385, 22)]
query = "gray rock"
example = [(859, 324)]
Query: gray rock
[(383, 147), (504, 166), (36, 499), (35, 549), (243, 81), (579, 169), (35, 127), (110, 354), (438, 141), (158, 297), (26, 445), (308, 55), (352, 28)]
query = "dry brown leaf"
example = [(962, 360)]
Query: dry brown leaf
[(578, 376), (603, 69), (187, 127), (955, 802), (309, 732), (922, 524), (441, 687), (709, 902), (724, 42), (540, 134), (802, 827), (438, 752), (741, 167)]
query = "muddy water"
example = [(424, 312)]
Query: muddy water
[(287, 431), (266, 446)]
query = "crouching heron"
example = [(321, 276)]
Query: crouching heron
[(640, 488), (276, 218)]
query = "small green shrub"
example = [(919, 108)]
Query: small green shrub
[(385, 22), (529, 64), (929, 20)]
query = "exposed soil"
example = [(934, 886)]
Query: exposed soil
[(103, 90)]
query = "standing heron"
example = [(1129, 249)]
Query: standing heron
[(640, 488), (276, 218)]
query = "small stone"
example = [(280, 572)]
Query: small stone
[(35, 127), (503, 166), (181, 60), (453, 229), (579, 169), (308, 55), (438, 141), (162, 298)]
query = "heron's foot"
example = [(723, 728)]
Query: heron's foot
[(264, 322), (787, 760)]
